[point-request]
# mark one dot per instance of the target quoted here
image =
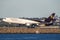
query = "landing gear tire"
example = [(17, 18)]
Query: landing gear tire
[(32, 26)]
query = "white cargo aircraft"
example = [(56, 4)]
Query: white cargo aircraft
[(21, 21)]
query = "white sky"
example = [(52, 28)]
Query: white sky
[(29, 8)]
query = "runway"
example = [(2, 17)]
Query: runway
[(47, 29)]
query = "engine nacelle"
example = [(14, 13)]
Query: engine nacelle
[(31, 25)]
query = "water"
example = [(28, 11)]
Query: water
[(29, 36)]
